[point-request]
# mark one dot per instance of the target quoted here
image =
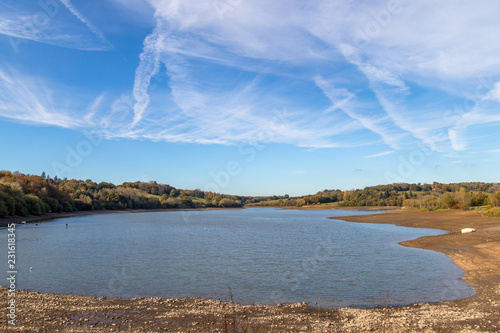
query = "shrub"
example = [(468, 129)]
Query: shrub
[(3, 209), (493, 212), (34, 205), (449, 201)]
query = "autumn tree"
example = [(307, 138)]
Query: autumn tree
[(464, 199)]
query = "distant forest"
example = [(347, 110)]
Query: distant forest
[(28, 194), (22, 194), (433, 196)]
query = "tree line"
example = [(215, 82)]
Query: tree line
[(22, 194), (422, 196)]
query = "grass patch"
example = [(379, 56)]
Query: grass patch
[(493, 212), (197, 200), (264, 203)]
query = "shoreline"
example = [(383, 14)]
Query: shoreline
[(478, 254), (52, 216), (326, 207)]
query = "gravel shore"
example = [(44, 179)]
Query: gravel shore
[(477, 253)]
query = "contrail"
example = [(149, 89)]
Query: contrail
[(83, 19), (148, 67)]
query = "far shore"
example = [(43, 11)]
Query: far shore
[(342, 207), (51, 216), (477, 253), (4, 222)]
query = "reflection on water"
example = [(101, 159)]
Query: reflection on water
[(260, 255)]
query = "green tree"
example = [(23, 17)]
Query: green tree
[(495, 199), (186, 201), (225, 202), (448, 201), (464, 199), (3, 209), (163, 198), (479, 199)]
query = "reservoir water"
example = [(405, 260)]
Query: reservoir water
[(257, 255)]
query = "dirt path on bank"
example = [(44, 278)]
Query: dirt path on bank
[(477, 253)]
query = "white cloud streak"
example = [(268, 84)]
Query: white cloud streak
[(148, 67), (348, 73), (29, 100), (245, 36), (384, 153), (84, 20), (54, 22)]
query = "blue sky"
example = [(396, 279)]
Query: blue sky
[(251, 97)]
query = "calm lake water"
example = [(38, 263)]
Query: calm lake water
[(257, 255)]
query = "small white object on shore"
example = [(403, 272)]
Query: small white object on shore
[(467, 230)]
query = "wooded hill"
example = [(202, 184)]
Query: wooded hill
[(28, 194), (422, 196), (22, 194)]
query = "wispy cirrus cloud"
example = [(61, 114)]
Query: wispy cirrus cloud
[(30, 100), (148, 67), (320, 74), (384, 153), (53, 22), (247, 41), (375, 122), (69, 5)]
